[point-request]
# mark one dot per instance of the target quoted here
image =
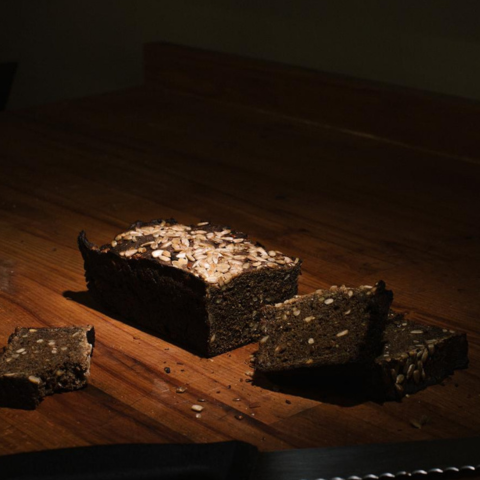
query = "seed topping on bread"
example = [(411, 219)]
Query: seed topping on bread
[(216, 254)]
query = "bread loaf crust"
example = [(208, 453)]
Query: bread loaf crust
[(200, 286)]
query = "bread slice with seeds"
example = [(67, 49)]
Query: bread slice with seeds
[(333, 327), (415, 356), (200, 286), (41, 361)]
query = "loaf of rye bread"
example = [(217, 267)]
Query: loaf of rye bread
[(200, 286), (414, 357), (42, 361), (333, 327)]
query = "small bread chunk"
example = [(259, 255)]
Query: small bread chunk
[(42, 361), (416, 356), (200, 286), (333, 327)]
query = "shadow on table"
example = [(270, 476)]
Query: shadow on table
[(335, 388), (84, 298)]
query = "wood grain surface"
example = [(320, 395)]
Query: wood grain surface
[(357, 205)]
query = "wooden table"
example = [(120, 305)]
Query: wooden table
[(362, 181)]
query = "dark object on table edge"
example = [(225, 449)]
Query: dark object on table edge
[(241, 461)]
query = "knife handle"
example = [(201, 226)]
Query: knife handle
[(216, 461)]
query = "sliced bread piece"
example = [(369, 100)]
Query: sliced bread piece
[(42, 361), (332, 327)]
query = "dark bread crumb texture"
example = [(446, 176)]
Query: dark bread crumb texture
[(327, 327), (201, 286), (42, 361)]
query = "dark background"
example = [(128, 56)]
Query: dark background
[(72, 49)]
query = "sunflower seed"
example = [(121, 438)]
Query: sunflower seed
[(399, 388), (424, 355)]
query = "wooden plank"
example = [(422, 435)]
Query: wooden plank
[(403, 116)]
